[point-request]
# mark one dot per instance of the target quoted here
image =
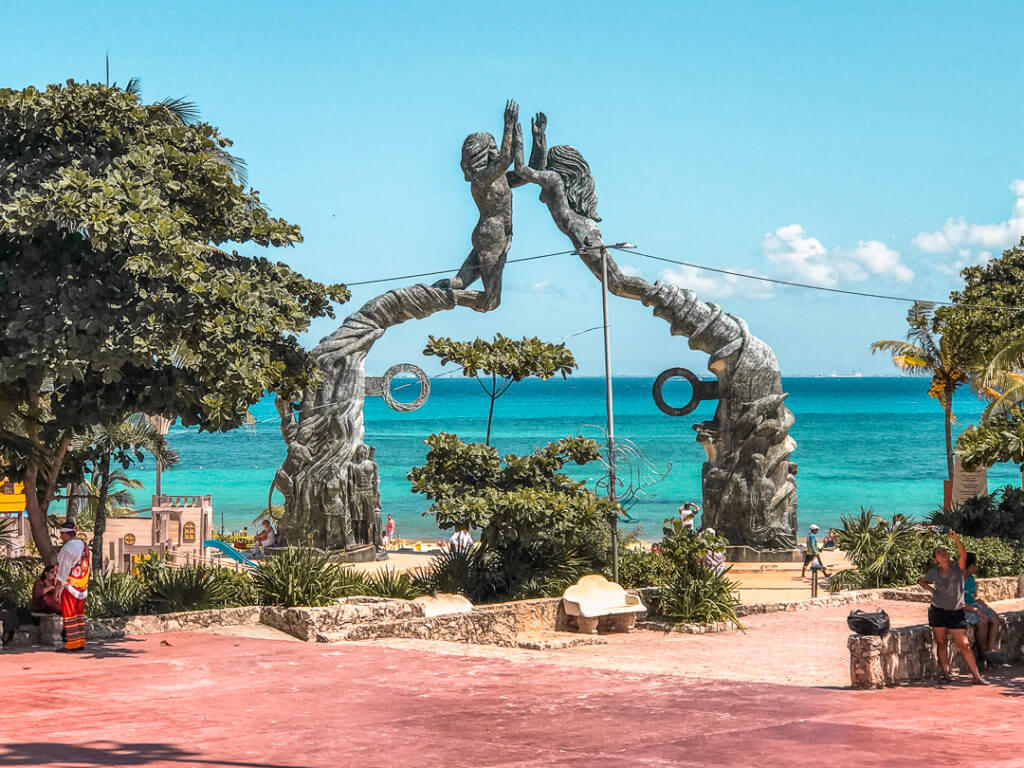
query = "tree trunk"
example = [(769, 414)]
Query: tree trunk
[(101, 515), (947, 407), (490, 413), (37, 518)]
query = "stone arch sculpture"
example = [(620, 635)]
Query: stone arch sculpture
[(748, 482)]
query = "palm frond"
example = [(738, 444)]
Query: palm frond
[(181, 108)]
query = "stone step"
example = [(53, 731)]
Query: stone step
[(553, 641)]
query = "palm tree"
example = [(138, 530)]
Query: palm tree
[(926, 352), (124, 442), (1003, 379)]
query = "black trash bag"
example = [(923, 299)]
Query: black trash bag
[(865, 623)]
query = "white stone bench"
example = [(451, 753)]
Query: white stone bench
[(51, 626), (593, 597)]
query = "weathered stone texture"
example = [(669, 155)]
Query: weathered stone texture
[(171, 622)]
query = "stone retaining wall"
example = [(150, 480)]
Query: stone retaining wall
[(909, 653), (171, 622), (309, 623)]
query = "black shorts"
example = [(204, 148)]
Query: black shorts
[(809, 558), (940, 617)]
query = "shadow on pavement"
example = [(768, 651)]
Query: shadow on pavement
[(109, 753), (111, 648)]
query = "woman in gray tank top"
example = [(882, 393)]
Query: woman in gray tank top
[(946, 612)]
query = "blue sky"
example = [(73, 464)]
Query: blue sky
[(870, 146)]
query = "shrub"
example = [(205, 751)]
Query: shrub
[(885, 553), (691, 592), (302, 576), (191, 588), (999, 514), (639, 569), (996, 557), (17, 575), (539, 529), (119, 594), (387, 582)]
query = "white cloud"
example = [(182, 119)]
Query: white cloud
[(807, 260), (714, 284), (966, 258), (540, 287), (629, 270), (956, 233)]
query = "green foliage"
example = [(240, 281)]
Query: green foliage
[(639, 569), (497, 364), (191, 588), (691, 592), (17, 575), (1000, 514), (975, 324), (119, 594), (114, 298), (885, 553), (387, 582), (507, 359), (996, 557), (539, 529), (301, 576), (994, 441)]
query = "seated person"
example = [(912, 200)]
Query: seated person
[(977, 612), (829, 542), (265, 538), (44, 592)]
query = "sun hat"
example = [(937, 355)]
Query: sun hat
[(814, 528), (711, 531), (68, 527)]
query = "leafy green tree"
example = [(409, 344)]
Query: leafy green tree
[(995, 440), (987, 314), (115, 297), (928, 351), (540, 528), (497, 364)]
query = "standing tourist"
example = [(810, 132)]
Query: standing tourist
[(946, 612), (813, 554), (688, 513), (72, 586), (714, 561), (389, 531), (462, 540)]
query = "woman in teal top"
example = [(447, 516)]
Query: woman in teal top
[(984, 619)]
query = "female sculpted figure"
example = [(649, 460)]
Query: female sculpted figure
[(567, 189), (484, 167)]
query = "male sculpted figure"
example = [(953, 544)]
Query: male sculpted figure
[(484, 167)]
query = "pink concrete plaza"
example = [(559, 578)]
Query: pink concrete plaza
[(191, 699)]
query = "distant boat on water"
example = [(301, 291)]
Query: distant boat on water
[(837, 375)]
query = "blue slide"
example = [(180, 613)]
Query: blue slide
[(230, 551)]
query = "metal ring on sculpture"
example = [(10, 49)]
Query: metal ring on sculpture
[(394, 371), (702, 390)]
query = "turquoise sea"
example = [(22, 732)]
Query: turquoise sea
[(874, 442)]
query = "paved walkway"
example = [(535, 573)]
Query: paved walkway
[(209, 700)]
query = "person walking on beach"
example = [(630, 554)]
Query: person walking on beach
[(72, 586), (813, 554), (946, 612)]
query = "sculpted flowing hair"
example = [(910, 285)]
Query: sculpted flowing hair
[(575, 173)]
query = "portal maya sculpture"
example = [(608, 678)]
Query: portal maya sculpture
[(329, 476)]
